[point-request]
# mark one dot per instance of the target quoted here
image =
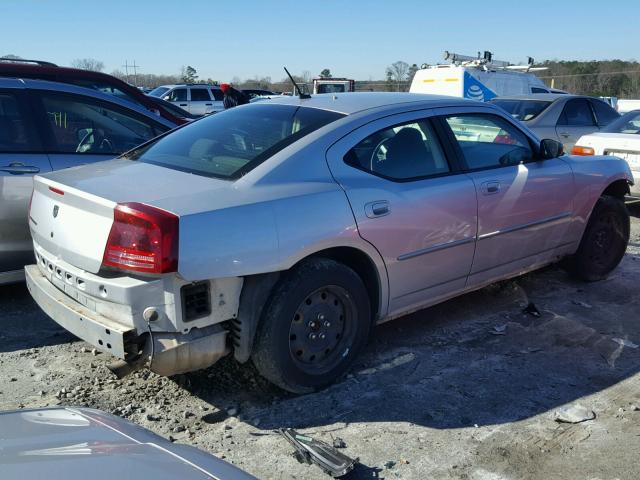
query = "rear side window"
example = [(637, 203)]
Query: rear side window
[(488, 141), (200, 95), (15, 134), (576, 113), (176, 95), (604, 113), (217, 94), (82, 125), (522, 109), (233, 142), (539, 90), (403, 152)]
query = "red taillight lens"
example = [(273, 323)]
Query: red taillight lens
[(142, 239), (577, 150)]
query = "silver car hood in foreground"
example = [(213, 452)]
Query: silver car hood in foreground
[(80, 443)]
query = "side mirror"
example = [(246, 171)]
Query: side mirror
[(550, 148)]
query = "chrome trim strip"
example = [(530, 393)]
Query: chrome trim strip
[(430, 286), (436, 248), (525, 225)]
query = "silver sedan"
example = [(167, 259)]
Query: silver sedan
[(283, 231), (563, 117)]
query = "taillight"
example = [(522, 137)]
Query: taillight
[(142, 239), (577, 150)]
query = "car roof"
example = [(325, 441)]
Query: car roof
[(547, 97), (28, 83), (353, 102)]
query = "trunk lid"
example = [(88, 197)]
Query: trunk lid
[(72, 210)]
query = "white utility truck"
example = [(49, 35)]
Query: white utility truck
[(478, 78)]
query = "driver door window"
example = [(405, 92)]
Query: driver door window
[(488, 141), (81, 125)]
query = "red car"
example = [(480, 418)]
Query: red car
[(41, 70)]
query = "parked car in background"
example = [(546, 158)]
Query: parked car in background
[(283, 230), (47, 126), (563, 117), (101, 82), (178, 112), (80, 443), (621, 138), (256, 92), (197, 99)]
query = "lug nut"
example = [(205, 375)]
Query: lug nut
[(320, 317), (327, 324), (313, 336), (322, 336), (312, 324)]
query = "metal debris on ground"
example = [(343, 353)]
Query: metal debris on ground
[(531, 309), (309, 450), (574, 414), (499, 329), (339, 443), (624, 342), (581, 304)]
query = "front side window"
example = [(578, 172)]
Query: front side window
[(576, 113), (604, 113), (158, 91), (200, 95), (14, 131), (402, 152), (488, 141), (231, 143), (176, 95), (81, 125), (522, 109)]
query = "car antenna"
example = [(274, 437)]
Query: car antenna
[(300, 94)]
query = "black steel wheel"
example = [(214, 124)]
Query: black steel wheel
[(604, 241), (316, 322)]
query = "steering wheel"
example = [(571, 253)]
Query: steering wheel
[(100, 142)]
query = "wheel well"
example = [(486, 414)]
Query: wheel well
[(618, 189), (360, 263)]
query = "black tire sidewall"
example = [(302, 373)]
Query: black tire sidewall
[(583, 266), (272, 355)]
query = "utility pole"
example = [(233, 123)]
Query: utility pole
[(135, 68)]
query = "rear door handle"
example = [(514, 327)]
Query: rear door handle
[(19, 169), (183, 104), (208, 104), (490, 188), (378, 208)]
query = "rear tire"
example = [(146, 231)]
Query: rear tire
[(604, 241), (315, 324)]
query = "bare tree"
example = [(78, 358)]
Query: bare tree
[(397, 72), (88, 64)]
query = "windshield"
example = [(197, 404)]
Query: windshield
[(628, 123), (232, 143), (158, 91), (522, 109)]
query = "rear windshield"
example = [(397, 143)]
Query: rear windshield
[(628, 123), (233, 142), (522, 109), (158, 91)]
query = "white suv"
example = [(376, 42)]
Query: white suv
[(197, 99)]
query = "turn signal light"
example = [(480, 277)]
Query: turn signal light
[(143, 239), (577, 150)]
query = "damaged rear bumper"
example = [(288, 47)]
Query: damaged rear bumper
[(166, 353)]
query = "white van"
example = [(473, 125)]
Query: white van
[(478, 78)]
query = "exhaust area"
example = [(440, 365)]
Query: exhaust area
[(169, 354)]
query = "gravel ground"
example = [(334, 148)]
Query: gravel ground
[(464, 390)]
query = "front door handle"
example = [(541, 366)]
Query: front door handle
[(19, 169), (565, 134), (183, 104), (378, 208), (490, 188), (208, 104)]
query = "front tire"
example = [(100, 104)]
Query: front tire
[(315, 324), (604, 241)]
